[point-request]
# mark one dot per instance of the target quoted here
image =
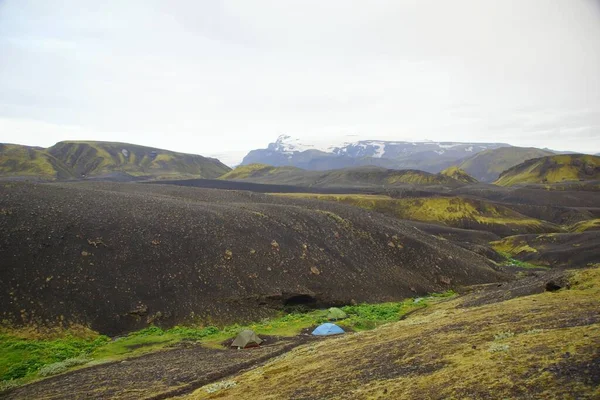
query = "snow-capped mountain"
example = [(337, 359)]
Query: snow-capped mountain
[(322, 154)]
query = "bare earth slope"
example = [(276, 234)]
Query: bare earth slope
[(120, 256)]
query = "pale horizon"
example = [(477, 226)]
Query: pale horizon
[(221, 79)]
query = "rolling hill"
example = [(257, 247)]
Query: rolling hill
[(457, 212), (119, 161), (552, 169), (121, 256), (458, 174), (487, 165), (349, 177)]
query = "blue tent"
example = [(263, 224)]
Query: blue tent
[(327, 329)]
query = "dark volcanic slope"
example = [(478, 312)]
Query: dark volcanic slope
[(569, 250), (119, 256)]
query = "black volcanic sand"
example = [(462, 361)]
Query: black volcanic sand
[(531, 196), (158, 375), (563, 207), (118, 256)]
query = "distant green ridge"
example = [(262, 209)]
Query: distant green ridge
[(77, 159)]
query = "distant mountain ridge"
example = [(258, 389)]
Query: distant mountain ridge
[(365, 177), (486, 166), (110, 160), (427, 156)]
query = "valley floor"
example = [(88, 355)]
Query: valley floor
[(510, 340)]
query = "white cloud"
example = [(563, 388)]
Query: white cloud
[(225, 77)]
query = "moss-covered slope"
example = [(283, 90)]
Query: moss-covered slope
[(17, 160), (73, 159), (349, 177), (553, 169), (482, 346), (487, 165), (458, 174), (458, 212)]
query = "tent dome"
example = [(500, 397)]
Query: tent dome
[(246, 338), (327, 329)]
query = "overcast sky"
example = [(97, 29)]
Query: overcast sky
[(223, 77)]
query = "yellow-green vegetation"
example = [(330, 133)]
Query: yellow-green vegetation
[(255, 170), (489, 164), (458, 174), (513, 262), (513, 245), (413, 177), (452, 211), (16, 160), (501, 350), (583, 226), (553, 169), (28, 354), (74, 159)]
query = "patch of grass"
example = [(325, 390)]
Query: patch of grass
[(28, 356), (503, 335), (63, 366), (513, 262), (22, 358), (496, 348)]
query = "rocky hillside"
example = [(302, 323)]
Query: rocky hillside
[(427, 156), (119, 161), (374, 177), (487, 165), (120, 256), (553, 169)]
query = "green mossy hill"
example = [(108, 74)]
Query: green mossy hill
[(458, 174), (121, 256), (74, 159), (487, 165), (566, 250), (485, 345), (458, 212), (553, 169), (368, 176), (17, 160)]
